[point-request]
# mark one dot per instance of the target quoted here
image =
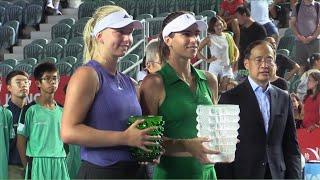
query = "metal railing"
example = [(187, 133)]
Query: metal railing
[(146, 33)]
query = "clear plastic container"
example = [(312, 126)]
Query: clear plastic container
[(225, 109), (220, 123)]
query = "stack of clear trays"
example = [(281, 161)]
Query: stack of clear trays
[(220, 124)]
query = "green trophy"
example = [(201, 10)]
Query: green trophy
[(149, 121)]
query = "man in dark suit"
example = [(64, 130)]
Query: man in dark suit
[(268, 146)]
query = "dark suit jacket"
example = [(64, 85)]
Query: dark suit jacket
[(279, 147)]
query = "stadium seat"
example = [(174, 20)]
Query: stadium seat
[(5, 4), (41, 42), (78, 39), (77, 29), (53, 50), (185, 5), (30, 61), (64, 68), (164, 6), (86, 9), (128, 5), (284, 52), (83, 20), (13, 13), (155, 26), (164, 14), (33, 51), (2, 14), (60, 40), (287, 42), (48, 59), (144, 16), (69, 21), (60, 30), (69, 59), (209, 14), (7, 37), (21, 3), (204, 5), (15, 25), (76, 66), (73, 49), (32, 15), (127, 62), (24, 67), (145, 7), (11, 62), (104, 3), (217, 5), (5, 69), (41, 3)]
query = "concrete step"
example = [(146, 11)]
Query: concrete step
[(46, 27), (24, 42), (70, 11), (40, 34), (74, 3), (56, 19), (13, 56), (17, 49)]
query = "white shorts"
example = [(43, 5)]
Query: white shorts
[(219, 69)]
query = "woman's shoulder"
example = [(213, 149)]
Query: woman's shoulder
[(85, 72), (153, 79), (85, 75)]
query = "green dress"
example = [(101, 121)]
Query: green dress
[(41, 127), (179, 113), (6, 133)]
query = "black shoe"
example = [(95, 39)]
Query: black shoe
[(49, 11)]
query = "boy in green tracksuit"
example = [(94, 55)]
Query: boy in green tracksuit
[(6, 132), (39, 142)]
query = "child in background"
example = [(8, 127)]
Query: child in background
[(39, 143), (6, 133)]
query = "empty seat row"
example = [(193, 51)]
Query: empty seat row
[(154, 7), (53, 50)]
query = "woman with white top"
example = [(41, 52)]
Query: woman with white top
[(224, 52)]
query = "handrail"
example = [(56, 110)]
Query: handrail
[(133, 66), (198, 62), (143, 21), (132, 48), (146, 34)]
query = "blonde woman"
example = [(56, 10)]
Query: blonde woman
[(100, 100)]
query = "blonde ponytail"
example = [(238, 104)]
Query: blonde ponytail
[(88, 41)]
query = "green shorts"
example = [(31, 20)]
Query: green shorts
[(47, 168)]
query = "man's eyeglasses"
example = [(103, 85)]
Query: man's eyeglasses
[(20, 83), (50, 79), (267, 60)]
